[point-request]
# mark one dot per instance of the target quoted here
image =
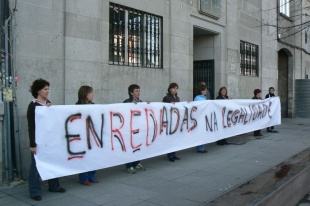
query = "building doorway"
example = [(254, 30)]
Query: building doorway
[(204, 72), (205, 46)]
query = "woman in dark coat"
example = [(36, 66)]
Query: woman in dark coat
[(39, 90), (222, 95), (172, 97), (257, 93)]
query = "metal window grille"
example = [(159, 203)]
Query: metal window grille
[(117, 35), (135, 38), (139, 33), (248, 59), (153, 56)]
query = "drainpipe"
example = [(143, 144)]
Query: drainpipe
[(7, 117), (15, 122)]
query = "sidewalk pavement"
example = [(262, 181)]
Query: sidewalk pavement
[(194, 180)]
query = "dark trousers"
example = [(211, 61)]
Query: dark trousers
[(87, 176), (272, 127), (171, 154), (34, 182), (256, 132), (132, 164), (221, 142)]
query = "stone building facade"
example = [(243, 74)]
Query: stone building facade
[(230, 43)]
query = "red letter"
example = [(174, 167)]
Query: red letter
[(147, 124)]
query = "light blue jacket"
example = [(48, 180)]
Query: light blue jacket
[(200, 97)]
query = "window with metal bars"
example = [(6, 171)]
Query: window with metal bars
[(248, 59), (135, 37)]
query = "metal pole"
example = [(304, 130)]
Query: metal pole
[(16, 123), (8, 165)]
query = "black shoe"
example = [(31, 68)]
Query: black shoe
[(171, 159), (274, 131), (60, 190), (203, 151), (37, 198), (269, 130), (176, 158)]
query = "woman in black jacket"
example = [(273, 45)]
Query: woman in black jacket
[(257, 93), (172, 97), (222, 95), (269, 95), (39, 90)]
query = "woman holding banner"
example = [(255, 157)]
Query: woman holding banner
[(172, 97), (270, 95), (201, 96), (222, 95), (85, 96), (257, 93), (134, 97), (39, 90)]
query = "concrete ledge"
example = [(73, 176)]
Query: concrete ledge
[(291, 191)]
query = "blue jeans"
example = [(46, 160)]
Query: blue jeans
[(132, 164), (200, 148), (34, 181), (87, 176)]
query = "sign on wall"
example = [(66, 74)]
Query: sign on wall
[(73, 139), (210, 8)]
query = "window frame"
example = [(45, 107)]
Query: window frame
[(142, 39)]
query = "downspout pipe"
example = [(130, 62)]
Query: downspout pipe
[(7, 116), (18, 171)]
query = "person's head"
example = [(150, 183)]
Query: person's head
[(173, 88), (85, 95), (40, 89), (257, 92), (134, 91), (223, 91), (271, 90), (202, 88)]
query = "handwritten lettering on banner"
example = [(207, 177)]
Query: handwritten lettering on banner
[(77, 138)]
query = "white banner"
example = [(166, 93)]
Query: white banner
[(73, 139)]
